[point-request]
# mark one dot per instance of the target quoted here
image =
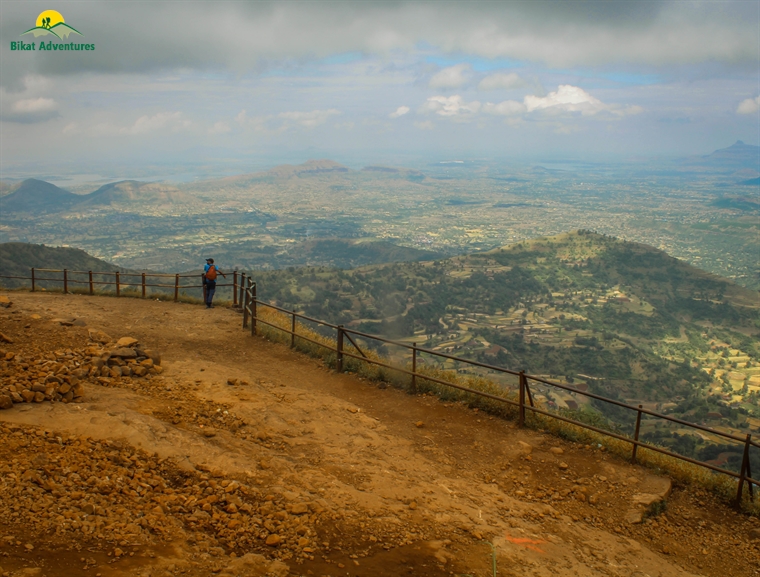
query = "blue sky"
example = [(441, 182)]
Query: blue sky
[(366, 82)]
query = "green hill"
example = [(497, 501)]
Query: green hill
[(626, 319), (17, 258), (35, 196), (128, 192)]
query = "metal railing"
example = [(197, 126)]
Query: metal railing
[(244, 295), (524, 403)]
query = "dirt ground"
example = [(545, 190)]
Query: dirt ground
[(295, 470)]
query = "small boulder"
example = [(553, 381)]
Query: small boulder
[(6, 402), (557, 451), (99, 337), (5, 302), (299, 508), (124, 342), (124, 353), (274, 540)]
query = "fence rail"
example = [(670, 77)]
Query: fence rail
[(524, 404), (122, 280), (244, 295)]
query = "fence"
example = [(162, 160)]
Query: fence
[(122, 281), (524, 403), (244, 295)]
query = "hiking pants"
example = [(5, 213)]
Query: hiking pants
[(210, 290)]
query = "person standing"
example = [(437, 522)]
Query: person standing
[(210, 272)]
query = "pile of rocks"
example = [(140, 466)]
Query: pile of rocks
[(125, 359), (51, 377), (60, 376), (113, 492)]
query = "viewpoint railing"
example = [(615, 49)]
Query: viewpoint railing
[(122, 282), (524, 403), (244, 295)]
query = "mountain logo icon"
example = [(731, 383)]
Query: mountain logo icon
[(51, 22)]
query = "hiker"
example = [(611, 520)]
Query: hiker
[(210, 272)]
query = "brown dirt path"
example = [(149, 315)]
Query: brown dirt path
[(385, 496)]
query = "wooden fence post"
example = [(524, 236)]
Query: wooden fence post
[(65, 281), (234, 288), (414, 368), (92, 285), (118, 285), (246, 303), (254, 310), (293, 330), (176, 288), (636, 435), (242, 287), (743, 471), (339, 351), (521, 418), (204, 289), (33, 279), (143, 285)]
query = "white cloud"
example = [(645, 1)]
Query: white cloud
[(310, 119), (506, 108), (569, 98), (566, 97), (501, 81), (219, 128), (172, 121), (450, 106), (424, 125), (451, 77), (32, 110), (400, 111), (749, 106)]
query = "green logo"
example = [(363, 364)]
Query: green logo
[(51, 23)]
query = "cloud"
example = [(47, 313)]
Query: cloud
[(450, 106), (220, 128), (569, 98), (451, 77), (244, 37), (749, 106), (400, 111), (501, 81), (309, 119), (169, 121), (32, 110), (566, 97), (424, 125), (506, 108)]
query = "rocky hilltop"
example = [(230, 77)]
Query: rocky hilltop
[(231, 455)]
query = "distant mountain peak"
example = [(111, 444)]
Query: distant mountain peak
[(34, 195)]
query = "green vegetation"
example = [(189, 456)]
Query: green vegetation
[(622, 319)]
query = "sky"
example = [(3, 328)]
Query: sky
[(377, 82)]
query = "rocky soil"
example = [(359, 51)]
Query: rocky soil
[(195, 449)]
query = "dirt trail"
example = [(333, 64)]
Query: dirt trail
[(353, 479)]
